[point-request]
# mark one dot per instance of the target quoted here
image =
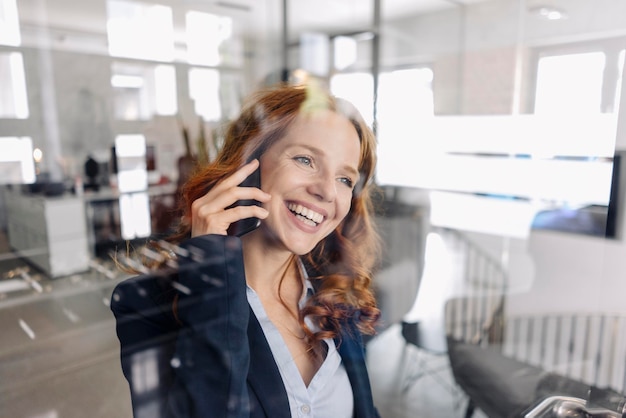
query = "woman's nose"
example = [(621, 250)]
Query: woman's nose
[(324, 187)]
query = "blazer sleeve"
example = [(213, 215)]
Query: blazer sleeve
[(201, 353)]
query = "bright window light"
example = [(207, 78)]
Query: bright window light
[(397, 88), (357, 88), (141, 91), (13, 99), (140, 30), (165, 90), (135, 215), (9, 23), (315, 53), (345, 51), (206, 33), (127, 81), (17, 165), (570, 83), (204, 88), (132, 174), (618, 89)]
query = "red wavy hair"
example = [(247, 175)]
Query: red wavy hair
[(341, 265)]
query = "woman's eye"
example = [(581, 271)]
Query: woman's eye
[(347, 181), (303, 160)]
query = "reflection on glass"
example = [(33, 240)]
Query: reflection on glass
[(135, 215), (438, 284), (206, 34), (165, 90), (13, 99), (403, 96), (141, 91), (145, 371), (16, 160), (140, 30), (132, 182), (357, 88), (315, 53), (345, 51), (9, 23), (618, 88), (204, 89), (131, 163)]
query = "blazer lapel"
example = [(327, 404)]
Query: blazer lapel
[(353, 357), (264, 377), (265, 381)]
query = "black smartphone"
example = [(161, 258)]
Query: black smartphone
[(243, 226)]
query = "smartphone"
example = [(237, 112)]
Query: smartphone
[(243, 226)]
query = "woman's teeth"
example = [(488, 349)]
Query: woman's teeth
[(306, 215)]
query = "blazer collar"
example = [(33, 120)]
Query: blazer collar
[(264, 377)]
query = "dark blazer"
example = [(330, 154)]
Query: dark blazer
[(211, 359)]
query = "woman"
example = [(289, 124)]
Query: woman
[(267, 324)]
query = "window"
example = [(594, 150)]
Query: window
[(618, 87), (132, 179), (13, 99), (416, 83), (358, 88), (206, 37), (9, 23), (140, 30), (142, 91), (580, 78), (204, 89), (570, 83), (17, 164)]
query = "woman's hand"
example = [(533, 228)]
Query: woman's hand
[(211, 213)]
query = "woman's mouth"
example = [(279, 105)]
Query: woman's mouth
[(306, 215)]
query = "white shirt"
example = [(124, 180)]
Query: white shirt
[(330, 393)]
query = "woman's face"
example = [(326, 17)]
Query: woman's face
[(310, 173)]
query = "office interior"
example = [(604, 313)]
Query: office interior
[(501, 138)]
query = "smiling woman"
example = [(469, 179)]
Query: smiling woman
[(267, 324)]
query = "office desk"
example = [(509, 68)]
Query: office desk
[(104, 218), (49, 232)]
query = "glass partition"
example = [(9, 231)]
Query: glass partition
[(500, 165)]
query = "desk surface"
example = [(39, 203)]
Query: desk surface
[(107, 194)]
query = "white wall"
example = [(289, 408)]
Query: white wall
[(475, 55)]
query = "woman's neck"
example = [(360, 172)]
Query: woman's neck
[(266, 269)]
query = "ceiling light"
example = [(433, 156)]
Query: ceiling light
[(548, 13), (127, 81)]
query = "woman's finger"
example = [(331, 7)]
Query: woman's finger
[(217, 209), (225, 193), (206, 222)]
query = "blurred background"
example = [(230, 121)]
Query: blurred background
[(500, 134)]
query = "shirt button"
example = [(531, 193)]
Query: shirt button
[(306, 409)]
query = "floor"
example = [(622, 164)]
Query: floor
[(59, 356), (391, 364)]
